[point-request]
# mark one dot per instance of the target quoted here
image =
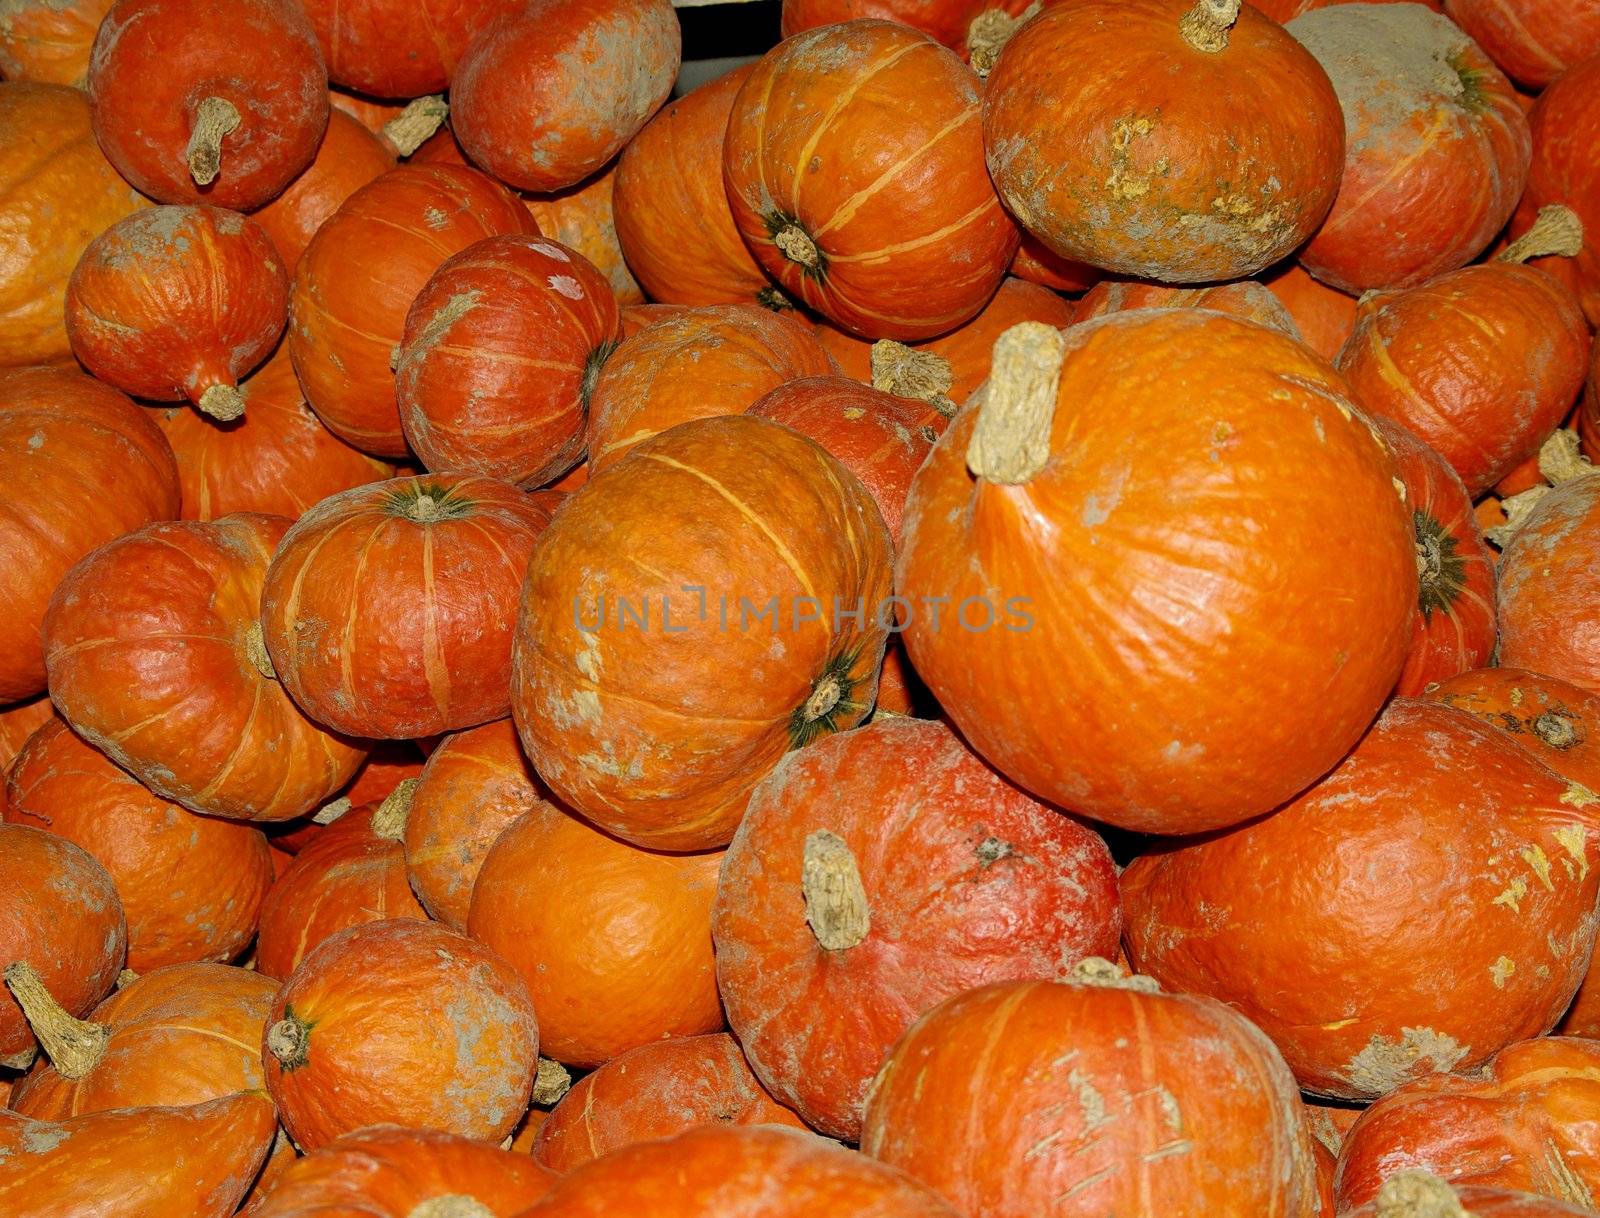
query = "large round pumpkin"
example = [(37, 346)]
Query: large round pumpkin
[(1101, 638), (155, 655), (59, 194), (348, 158), (48, 41), (753, 552), (875, 874), (390, 49), (854, 166), (1417, 1194), (1548, 587), (1533, 41), (1364, 983), (360, 274), (1103, 1096)]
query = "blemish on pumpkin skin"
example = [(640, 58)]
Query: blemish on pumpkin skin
[(1384, 1064), (1539, 864), (1500, 971)]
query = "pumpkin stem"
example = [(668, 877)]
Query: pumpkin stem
[(255, 648), (289, 1040), (551, 1083), (74, 1046), (424, 509), (1561, 458), (823, 698), (836, 902), (452, 1205), (990, 31), (389, 821), (1098, 971), (224, 403), (1517, 509), (1556, 232), (213, 121), (1011, 440), (1418, 1194), (907, 373), (412, 127), (797, 246), (1205, 27), (19, 1061), (331, 811), (126, 978)]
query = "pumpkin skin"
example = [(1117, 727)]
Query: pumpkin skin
[(389, 1172), (1556, 722), (1487, 1203), (1547, 587), (276, 458), (470, 398), (191, 886), (1566, 123), (946, 20), (196, 1160), (583, 218), (1324, 316), (1039, 265), (440, 1035), (632, 727), (87, 466), (613, 941), (1494, 845), (1532, 41), (1176, 759), (1031, 1072), (1437, 145), (548, 94), (1246, 299), (155, 658), (349, 157), (348, 308), (695, 364), (18, 722), (1146, 132), (393, 50), (656, 1091), (60, 194), (48, 41), (178, 302), (964, 879), (904, 241), (1287, 10), (155, 66)]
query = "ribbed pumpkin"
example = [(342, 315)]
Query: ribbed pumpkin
[(178, 302), (155, 657), (399, 50), (694, 364), (1247, 299), (19, 721), (201, 102), (503, 347), (877, 873), (1547, 587), (1132, 175), (276, 458), (546, 95), (1324, 316), (1101, 1096), (1437, 146), (747, 545), (1412, 1193), (360, 274), (48, 41), (949, 21), (854, 166), (401, 1022), (348, 158), (613, 941), (191, 886), (60, 193), (656, 1091), (1556, 722), (1566, 123), (1365, 984), (1080, 551), (87, 466), (1532, 41), (583, 218)]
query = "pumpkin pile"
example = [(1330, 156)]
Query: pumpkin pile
[(993, 614)]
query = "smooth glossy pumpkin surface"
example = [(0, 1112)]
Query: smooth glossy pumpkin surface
[(1566, 123), (1533, 41), (48, 41), (1547, 587), (389, 49), (348, 158), (583, 218), (1246, 299)]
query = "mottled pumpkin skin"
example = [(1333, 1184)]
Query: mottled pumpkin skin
[(613, 941), (583, 217), (154, 659), (155, 61), (390, 49), (1437, 145), (656, 1091), (746, 536), (60, 912), (1128, 175), (1093, 1099), (48, 41), (968, 881), (86, 466), (1493, 1203), (1126, 673), (191, 886), (60, 193), (1566, 126), (1324, 316), (1556, 722), (864, 141), (1533, 41), (1547, 587), (406, 1023), (548, 94), (1246, 299), (349, 157), (1483, 946)]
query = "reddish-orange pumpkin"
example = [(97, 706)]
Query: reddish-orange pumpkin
[(1556, 722), (949, 21), (656, 1091), (876, 874), (1100, 1097), (1437, 146), (583, 218), (401, 1022), (1483, 945), (547, 95), (503, 347), (753, 552), (1324, 316), (360, 274), (48, 41), (694, 364), (348, 158), (1055, 682), (155, 655), (1246, 298), (18, 722), (1039, 265), (854, 167), (1547, 593), (202, 102), (86, 465), (191, 886), (1413, 1192), (178, 302), (1533, 41), (389, 764), (391, 49), (613, 941)]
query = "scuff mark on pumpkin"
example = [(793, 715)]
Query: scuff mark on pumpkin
[(1500, 971), (1384, 1064), (1539, 864), (1511, 898)]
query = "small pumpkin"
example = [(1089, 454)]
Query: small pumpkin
[(583, 218), (1038, 264), (348, 158), (1547, 589), (1246, 298), (389, 764), (1324, 316), (399, 50), (48, 41), (1532, 41)]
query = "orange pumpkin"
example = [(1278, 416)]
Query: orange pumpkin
[(19, 721), (348, 158), (48, 41), (1037, 264), (1547, 587), (1556, 722), (399, 50), (1533, 41), (1410, 1193), (1324, 316), (1247, 299), (583, 218)]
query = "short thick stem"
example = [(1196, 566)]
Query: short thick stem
[(214, 121), (909, 373), (797, 246), (389, 821), (836, 901), (74, 1046), (414, 125), (1098, 971), (990, 31), (289, 1040), (1418, 1194), (551, 1083), (1205, 26), (1561, 458), (823, 698), (1011, 439), (1556, 232), (255, 649), (224, 403), (331, 811)]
